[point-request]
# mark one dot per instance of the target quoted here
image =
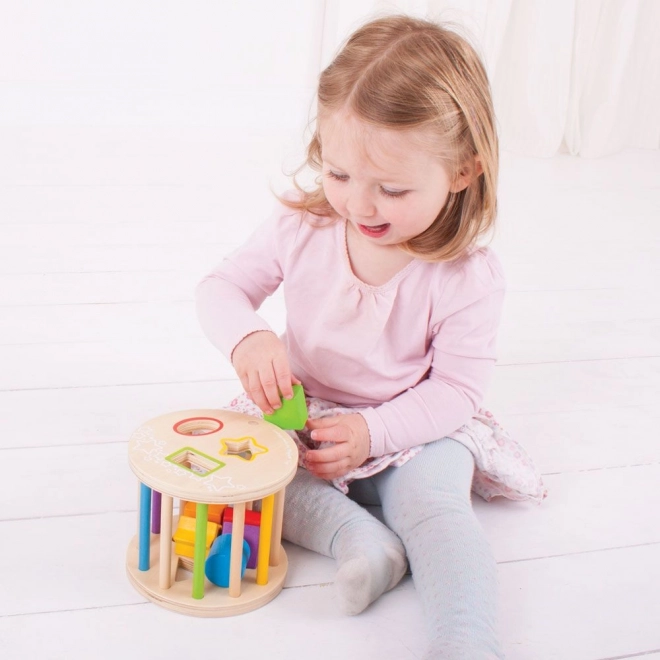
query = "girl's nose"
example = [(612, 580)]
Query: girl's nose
[(359, 204)]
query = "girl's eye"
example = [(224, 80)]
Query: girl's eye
[(383, 191), (337, 177), (392, 193)]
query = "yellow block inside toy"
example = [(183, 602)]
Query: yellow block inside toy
[(184, 537)]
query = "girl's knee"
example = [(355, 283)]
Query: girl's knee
[(442, 471), (432, 490), (437, 512), (446, 462)]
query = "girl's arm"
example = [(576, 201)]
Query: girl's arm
[(227, 300), (228, 297), (461, 370)]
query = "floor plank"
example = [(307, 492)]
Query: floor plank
[(56, 324), (41, 418), (562, 441), (149, 233), (561, 386), (594, 606), (391, 630), (122, 362), (96, 288), (185, 257)]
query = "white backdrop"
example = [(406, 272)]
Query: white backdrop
[(576, 75), (581, 75)]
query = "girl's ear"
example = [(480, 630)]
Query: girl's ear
[(467, 174)]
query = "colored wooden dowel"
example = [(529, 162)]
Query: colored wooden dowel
[(165, 573), (155, 513), (144, 538), (200, 550), (267, 507), (236, 558), (276, 538)]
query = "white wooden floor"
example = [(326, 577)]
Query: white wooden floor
[(104, 233)]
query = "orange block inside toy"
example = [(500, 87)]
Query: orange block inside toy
[(215, 511)]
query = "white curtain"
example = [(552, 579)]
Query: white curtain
[(581, 76)]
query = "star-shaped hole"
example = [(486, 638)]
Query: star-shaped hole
[(246, 448)]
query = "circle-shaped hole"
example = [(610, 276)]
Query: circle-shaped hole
[(198, 426)]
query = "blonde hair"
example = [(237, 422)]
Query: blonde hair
[(404, 73)]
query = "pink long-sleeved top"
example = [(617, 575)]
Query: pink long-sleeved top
[(414, 355)]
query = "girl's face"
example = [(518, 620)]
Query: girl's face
[(384, 182)]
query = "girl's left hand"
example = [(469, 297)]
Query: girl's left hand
[(350, 437)]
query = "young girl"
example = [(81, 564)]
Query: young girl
[(392, 313)]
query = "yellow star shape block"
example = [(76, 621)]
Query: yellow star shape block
[(246, 448)]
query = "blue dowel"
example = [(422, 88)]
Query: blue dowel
[(145, 538)]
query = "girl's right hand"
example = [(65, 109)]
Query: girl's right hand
[(261, 363)]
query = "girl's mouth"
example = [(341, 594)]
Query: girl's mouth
[(375, 231)]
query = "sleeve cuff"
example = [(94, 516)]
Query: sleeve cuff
[(226, 325), (377, 432)]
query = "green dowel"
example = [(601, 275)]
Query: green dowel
[(200, 550)]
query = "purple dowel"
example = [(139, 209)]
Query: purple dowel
[(155, 513)]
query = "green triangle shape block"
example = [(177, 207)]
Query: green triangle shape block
[(293, 413)]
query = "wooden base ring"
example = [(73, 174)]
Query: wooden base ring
[(216, 602)]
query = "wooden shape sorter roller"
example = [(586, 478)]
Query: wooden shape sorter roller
[(219, 464)]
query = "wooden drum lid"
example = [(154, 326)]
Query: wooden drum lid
[(209, 457)]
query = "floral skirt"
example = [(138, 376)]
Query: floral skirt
[(502, 466)]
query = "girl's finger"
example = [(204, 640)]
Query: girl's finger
[(256, 392), (334, 433), (322, 422), (319, 425), (328, 470), (283, 377), (326, 455), (270, 388)]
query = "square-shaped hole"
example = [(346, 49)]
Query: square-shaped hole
[(195, 461)]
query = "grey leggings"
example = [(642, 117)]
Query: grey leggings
[(426, 502)]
